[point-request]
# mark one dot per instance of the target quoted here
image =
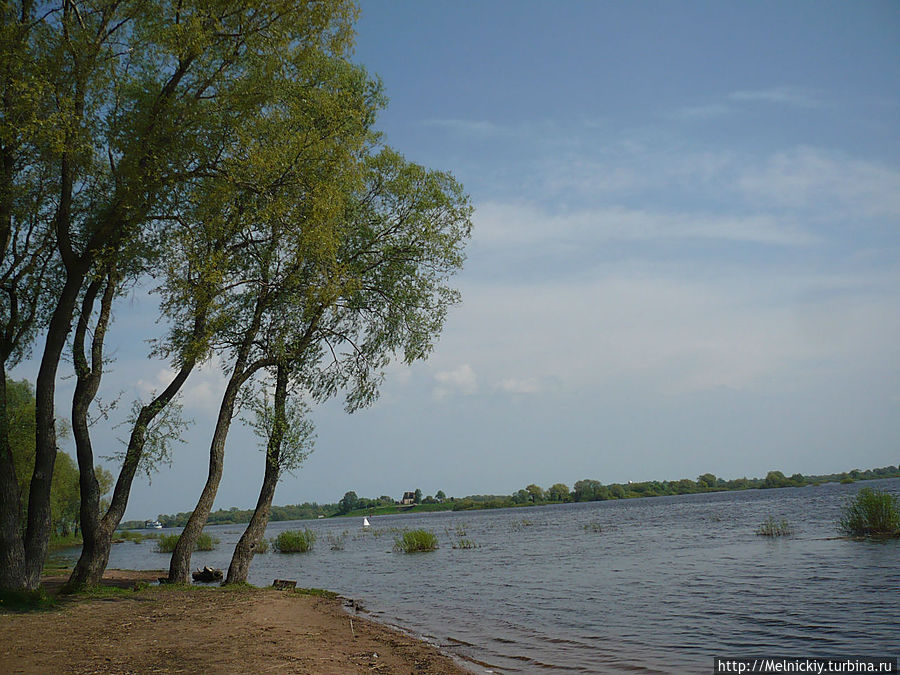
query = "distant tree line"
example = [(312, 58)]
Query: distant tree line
[(586, 490)]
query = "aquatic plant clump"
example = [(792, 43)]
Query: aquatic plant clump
[(294, 541), (872, 513), (416, 541), (775, 528), (206, 542), (166, 543)]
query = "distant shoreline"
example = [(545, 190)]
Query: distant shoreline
[(592, 490)]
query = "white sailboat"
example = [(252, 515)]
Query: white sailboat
[(365, 522)]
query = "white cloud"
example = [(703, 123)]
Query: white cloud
[(513, 385), (809, 178), (460, 380), (525, 225)]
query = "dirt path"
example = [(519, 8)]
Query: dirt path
[(208, 630)]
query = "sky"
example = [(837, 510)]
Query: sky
[(685, 255)]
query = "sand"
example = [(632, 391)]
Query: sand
[(207, 630)]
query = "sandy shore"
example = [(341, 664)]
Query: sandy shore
[(207, 630)]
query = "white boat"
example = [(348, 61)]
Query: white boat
[(365, 522)]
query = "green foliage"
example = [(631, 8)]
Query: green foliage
[(463, 543), (775, 528), (65, 494), (262, 546), (416, 541), (294, 541), (348, 502), (871, 513), (205, 542)]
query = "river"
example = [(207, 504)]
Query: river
[(650, 585)]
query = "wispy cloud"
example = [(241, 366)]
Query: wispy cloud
[(702, 112), (523, 224), (477, 128), (516, 385), (801, 97), (461, 380), (812, 179)]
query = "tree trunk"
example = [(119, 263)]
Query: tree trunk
[(180, 565), (246, 547), (12, 548), (95, 551), (37, 534)]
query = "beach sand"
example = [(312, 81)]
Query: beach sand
[(207, 630)]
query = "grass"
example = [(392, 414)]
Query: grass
[(336, 541), (205, 542), (294, 541), (262, 546), (593, 526), (416, 541), (132, 535), (465, 544), (26, 601), (775, 528), (871, 513), (318, 592)]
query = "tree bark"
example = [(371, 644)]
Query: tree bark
[(246, 546)]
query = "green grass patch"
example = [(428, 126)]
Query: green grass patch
[(26, 601), (318, 592), (871, 513), (416, 541), (295, 541), (464, 544), (775, 528)]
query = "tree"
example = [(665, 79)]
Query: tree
[(536, 493), (348, 502), (706, 480), (440, 496), (288, 436), (586, 490), (143, 96), (417, 498), (558, 492)]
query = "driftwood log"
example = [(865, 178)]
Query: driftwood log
[(208, 574), (284, 584)]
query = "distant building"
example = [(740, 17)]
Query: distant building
[(408, 498)]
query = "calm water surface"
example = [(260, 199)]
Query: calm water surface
[(640, 585)]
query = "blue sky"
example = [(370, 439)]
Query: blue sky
[(685, 254)]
